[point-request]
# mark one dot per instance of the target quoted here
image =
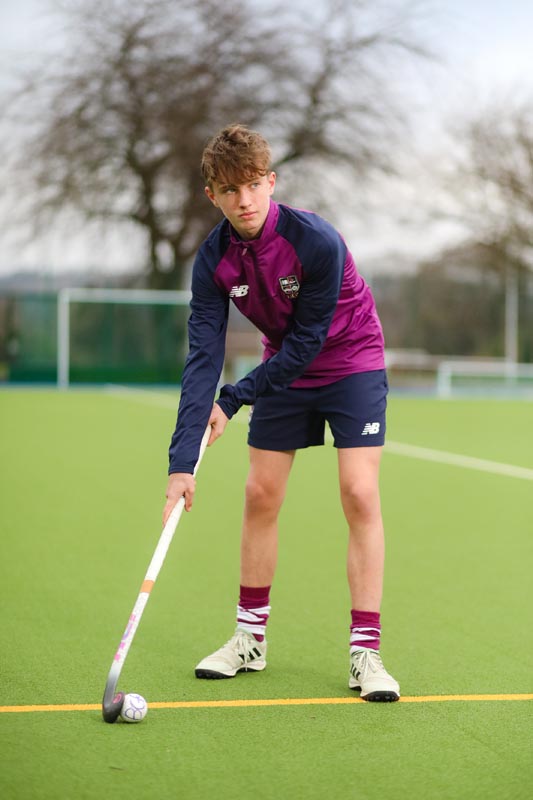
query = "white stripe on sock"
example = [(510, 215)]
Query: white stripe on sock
[(253, 620), (358, 636)]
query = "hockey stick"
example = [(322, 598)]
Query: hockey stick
[(112, 701)]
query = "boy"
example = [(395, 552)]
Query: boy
[(291, 274)]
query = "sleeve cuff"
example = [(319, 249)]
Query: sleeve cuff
[(180, 468), (227, 401)]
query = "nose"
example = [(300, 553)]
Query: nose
[(244, 197)]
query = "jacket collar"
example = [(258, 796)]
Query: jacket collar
[(266, 234)]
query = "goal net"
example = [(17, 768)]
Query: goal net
[(489, 378), (130, 336)]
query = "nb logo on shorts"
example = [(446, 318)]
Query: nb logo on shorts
[(370, 427), (239, 291)]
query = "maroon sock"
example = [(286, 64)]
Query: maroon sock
[(365, 630), (253, 610)]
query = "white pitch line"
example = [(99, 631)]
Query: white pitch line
[(145, 396), (165, 400), (458, 460)]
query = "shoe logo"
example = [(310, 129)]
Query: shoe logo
[(370, 428), (239, 291), (250, 656)]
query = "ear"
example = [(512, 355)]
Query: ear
[(271, 182), (209, 192)]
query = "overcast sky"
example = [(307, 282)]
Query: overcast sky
[(489, 38), (487, 46)]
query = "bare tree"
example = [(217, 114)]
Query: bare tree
[(490, 179), (489, 183), (114, 128)]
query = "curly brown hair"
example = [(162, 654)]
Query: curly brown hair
[(235, 155)]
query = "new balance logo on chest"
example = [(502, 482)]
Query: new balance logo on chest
[(370, 428), (239, 291)]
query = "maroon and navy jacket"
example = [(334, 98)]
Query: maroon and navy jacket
[(298, 284)]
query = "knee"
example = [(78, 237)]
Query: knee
[(263, 496), (361, 500)]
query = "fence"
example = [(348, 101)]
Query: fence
[(82, 336), (96, 336)]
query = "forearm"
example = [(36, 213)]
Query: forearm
[(299, 349), (193, 414), (200, 378)]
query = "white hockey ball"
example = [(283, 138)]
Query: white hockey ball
[(134, 708)]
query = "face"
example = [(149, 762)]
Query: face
[(244, 205)]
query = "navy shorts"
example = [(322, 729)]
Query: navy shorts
[(354, 407)]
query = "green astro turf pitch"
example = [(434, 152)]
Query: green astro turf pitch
[(83, 479)]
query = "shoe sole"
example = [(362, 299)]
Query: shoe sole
[(209, 674), (378, 696), (381, 697)]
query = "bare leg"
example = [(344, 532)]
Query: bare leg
[(265, 492), (359, 486)]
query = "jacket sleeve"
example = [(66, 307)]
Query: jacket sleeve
[(207, 333), (314, 311)]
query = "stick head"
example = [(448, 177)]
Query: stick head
[(111, 710)]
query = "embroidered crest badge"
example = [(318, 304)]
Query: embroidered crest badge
[(290, 286)]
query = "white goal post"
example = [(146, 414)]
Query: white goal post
[(490, 377), (131, 296)]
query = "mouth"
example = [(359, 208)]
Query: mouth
[(247, 215)]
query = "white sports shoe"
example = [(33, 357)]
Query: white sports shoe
[(243, 653), (368, 674)]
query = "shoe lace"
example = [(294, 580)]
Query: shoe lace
[(365, 660), (240, 642)]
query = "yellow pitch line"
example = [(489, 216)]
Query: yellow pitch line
[(290, 701)]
